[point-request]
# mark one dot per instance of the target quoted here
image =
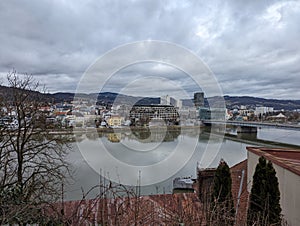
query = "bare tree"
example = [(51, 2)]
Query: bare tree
[(32, 159)]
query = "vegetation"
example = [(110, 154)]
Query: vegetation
[(222, 201), (264, 206), (33, 170), (32, 161)]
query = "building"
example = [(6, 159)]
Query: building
[(246, 112), (145, 113), (165, 100), (278, 118), (199, 99), (165, 209), (212, 113), (286, 163), (161, 209), (185, 184), (179, 104), (188, 113), (263, 110), (205, 183), (114, 121), (205, 180)]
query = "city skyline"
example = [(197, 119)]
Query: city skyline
[(252, 47)]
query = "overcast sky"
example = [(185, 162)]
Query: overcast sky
[(252, 47)]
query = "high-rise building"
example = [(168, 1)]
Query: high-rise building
[(165, 100), (179, 104), (168, 100), (199, 99)]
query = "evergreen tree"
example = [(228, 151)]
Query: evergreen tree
[(223, 208), (274, 195), (264, 206)]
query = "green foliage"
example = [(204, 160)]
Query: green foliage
[(264, 206), (223, 208)]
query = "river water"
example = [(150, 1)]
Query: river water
[(165, 154)]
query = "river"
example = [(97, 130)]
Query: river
[(167, 154)]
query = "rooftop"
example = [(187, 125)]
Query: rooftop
[(167, 209), (163, 209), (286, 158)]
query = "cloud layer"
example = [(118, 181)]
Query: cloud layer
[(252, 47)]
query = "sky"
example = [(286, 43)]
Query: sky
[(252, 48)]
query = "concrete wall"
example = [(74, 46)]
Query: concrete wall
[(289, 186), (252, 160)]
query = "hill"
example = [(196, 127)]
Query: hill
[(253, 102), (109, 98)]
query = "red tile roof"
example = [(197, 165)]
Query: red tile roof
[(286, 158), (168, 209)]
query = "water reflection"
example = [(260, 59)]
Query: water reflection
[(232, 152), (114, 137), (157, 153), (143, 135), (119, 145)]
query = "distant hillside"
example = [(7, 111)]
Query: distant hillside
[(109, 98), (253, 102), (6, 94), (231, 102), (61, 97)]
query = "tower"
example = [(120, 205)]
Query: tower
[(199, 99)]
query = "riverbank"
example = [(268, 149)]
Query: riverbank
[(233, 137), (257, 142), (122, 129)]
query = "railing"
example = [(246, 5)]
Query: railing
[(254, 124)]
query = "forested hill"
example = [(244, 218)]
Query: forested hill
[(109, 98), (232, 101)]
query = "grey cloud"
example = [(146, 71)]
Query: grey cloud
[(251, 46)]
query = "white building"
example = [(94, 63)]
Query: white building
[(165, 100), (263, 110), (287, 166), (179, 104)]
